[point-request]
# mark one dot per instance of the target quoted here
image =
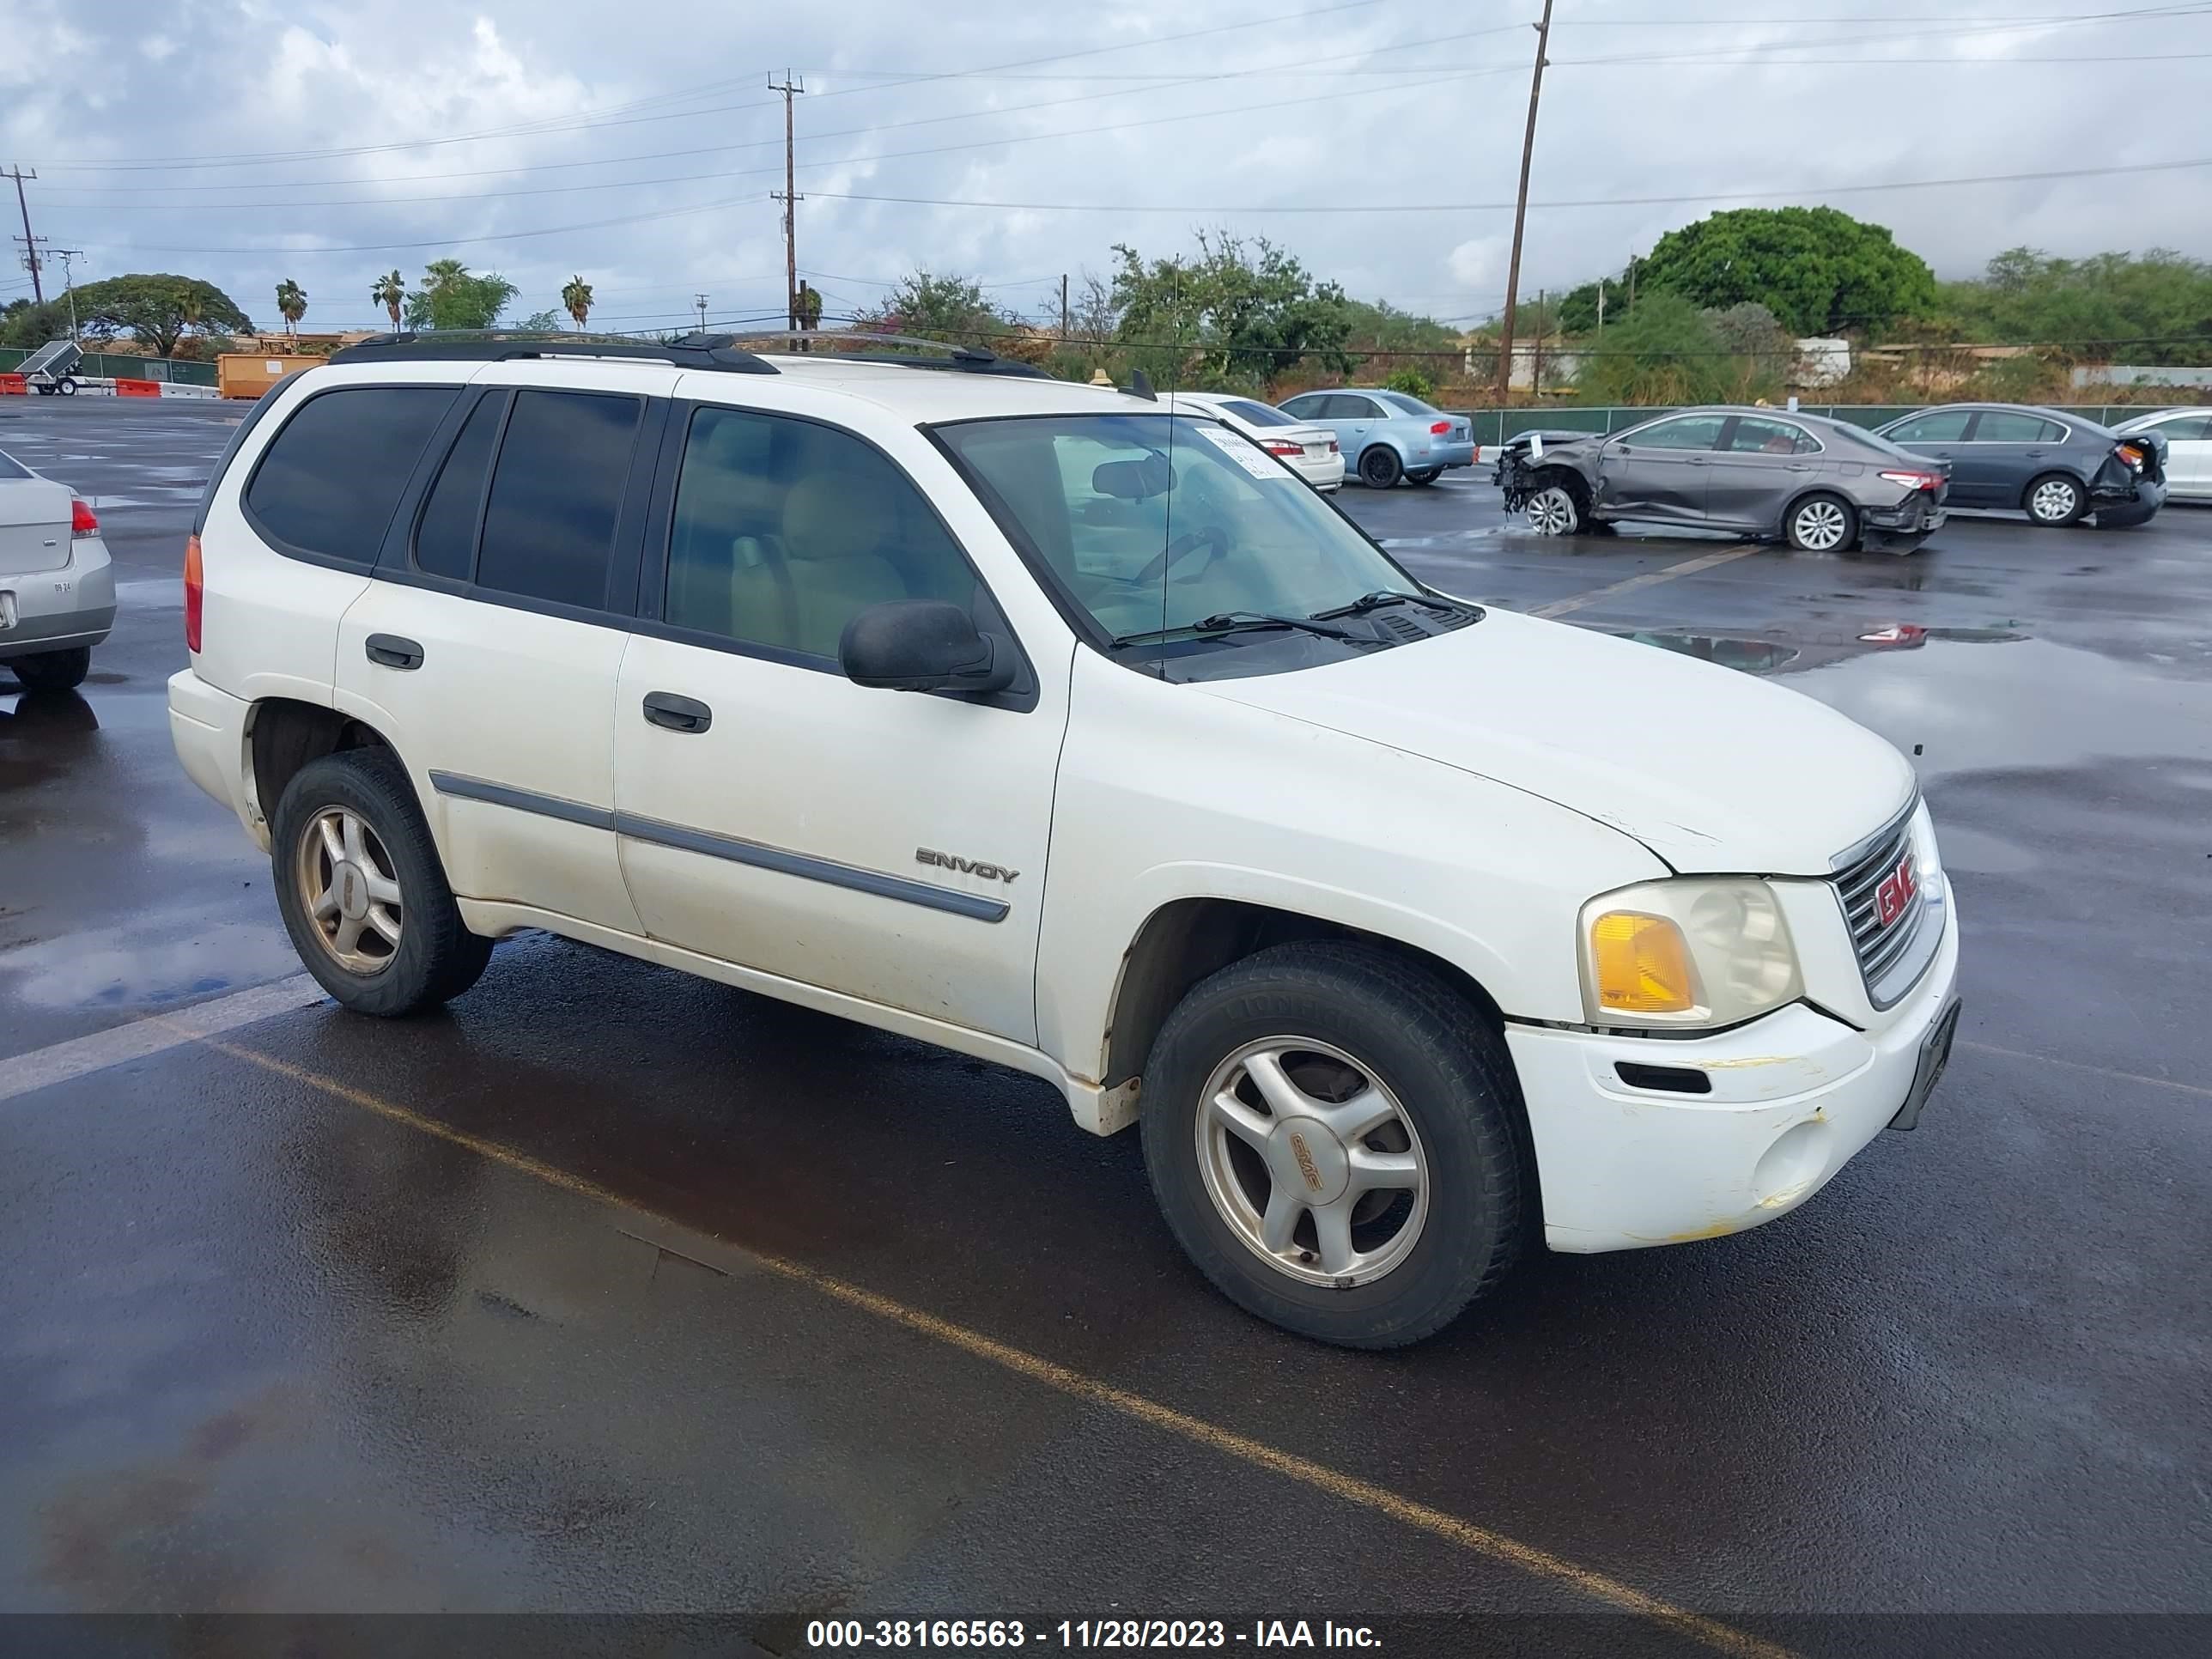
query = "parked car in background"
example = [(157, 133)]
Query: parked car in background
[(2055, 468), (57, 589), (2188, 459), (1823, 486), (1311, 451), (1388, 435)]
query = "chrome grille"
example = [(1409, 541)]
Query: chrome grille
[(1880, 945)]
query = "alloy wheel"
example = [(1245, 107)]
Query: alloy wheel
[(1312, 1162), (2055, 501), (1552, 511), (348, 890), (1820, 525)]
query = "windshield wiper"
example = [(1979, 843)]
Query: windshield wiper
[(1382, 596), (1239, 622)]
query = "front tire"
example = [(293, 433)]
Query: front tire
[(2054, 500), (1822, 524), (361, 889), (1332, 1134), (1557, 509), (1380, 467), (53, 671)]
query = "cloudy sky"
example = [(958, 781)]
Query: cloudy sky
[(1009, 141)]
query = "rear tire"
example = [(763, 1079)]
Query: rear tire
[(355, 866), (1328, 1025), (1380, 467), (1427, 474), (1822, 523), (53, 671), (2054, 500), (67, 388)]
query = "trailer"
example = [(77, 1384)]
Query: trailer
[(50, 370)]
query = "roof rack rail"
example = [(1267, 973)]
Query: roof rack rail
[(965, 359), (718, 351)]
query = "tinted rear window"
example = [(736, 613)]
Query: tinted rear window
[(548, 531), (1258, 414), (1404, 405), (328, 482)]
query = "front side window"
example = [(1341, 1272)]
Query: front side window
[(1690, 432), (331, 478), (1944, 426), (1154, 523), (2184, 428), (785, 531), (2002, 427), (548, 528)]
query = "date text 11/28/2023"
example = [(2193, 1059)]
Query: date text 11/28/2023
[(832, 1635)]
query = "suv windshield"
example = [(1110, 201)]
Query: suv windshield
[(1154, 524)]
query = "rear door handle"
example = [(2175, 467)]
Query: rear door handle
[(1800, 466), (677, 714), (1699, 460), (389, 650)]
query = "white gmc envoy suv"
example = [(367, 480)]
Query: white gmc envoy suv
[(1040, 722)]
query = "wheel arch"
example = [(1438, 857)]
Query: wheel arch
[(1186, 939), (283, 734)]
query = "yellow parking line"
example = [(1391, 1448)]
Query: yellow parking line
[(1649, 578), (1350, 1489), (2094, 1071)]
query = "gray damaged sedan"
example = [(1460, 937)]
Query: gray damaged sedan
[(2056, 467), (1823, 486)]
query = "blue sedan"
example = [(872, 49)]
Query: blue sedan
[(1388, 435)]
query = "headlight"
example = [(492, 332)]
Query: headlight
[(1692, 952)]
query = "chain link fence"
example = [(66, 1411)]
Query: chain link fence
[(126, 366)]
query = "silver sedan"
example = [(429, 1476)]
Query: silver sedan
[(57, 587)]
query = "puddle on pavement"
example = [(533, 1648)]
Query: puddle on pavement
[(1748, 656), (1751, 655), (160, 959)]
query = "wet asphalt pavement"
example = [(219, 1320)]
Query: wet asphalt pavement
[(614, 1290)]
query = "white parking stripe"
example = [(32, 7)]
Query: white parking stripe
[(42, 1068)]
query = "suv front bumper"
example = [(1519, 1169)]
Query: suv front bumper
[(1795, 1095)]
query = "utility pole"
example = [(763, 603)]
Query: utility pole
[(1521, 212), (30, 247), (1063, 308), (1631, 282), (700, 300), (1601, 306), (789, 197), (68, 280)]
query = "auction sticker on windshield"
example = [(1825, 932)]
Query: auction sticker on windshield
[(1242, 451)]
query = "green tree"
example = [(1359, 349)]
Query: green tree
[(948, 309), (2160, 304), (1412, 382), (1818, 270), (157, 309), (390, 291), (451, 297), (291, 303), (539, 322), (1667, 352), (1576, 311), (576, 300), (28, 324), (1230, 316)]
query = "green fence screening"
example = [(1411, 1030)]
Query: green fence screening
[(122, 366)]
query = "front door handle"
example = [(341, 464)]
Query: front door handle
[(1698, 460), (1800, 466), (389, 650), (677, 714)]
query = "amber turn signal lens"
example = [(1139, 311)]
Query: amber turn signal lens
[(1641, 964), (195, 594)]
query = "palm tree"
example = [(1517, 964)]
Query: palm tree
[(577, 298), (390, 292), (291, 303)]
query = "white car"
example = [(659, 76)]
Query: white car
[(2188, 434), (1310, 451), (57, 586), (1039, 722)]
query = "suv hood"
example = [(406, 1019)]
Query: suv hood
[(1716, 772)]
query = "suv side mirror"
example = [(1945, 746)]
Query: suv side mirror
[(922, 645)]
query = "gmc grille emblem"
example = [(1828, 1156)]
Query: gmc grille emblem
[(1895, 893)]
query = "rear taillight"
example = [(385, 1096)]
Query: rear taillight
[(1276, 446), (1438, 428), (2132, 455), (195, 592), (1332, 447), (81, 521), (1915, 480)]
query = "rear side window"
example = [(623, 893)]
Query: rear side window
[(2002, 427), (548, 530), (330, 480), (1258, 414), (445, 539), (1403, 404), (2189, 429)]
